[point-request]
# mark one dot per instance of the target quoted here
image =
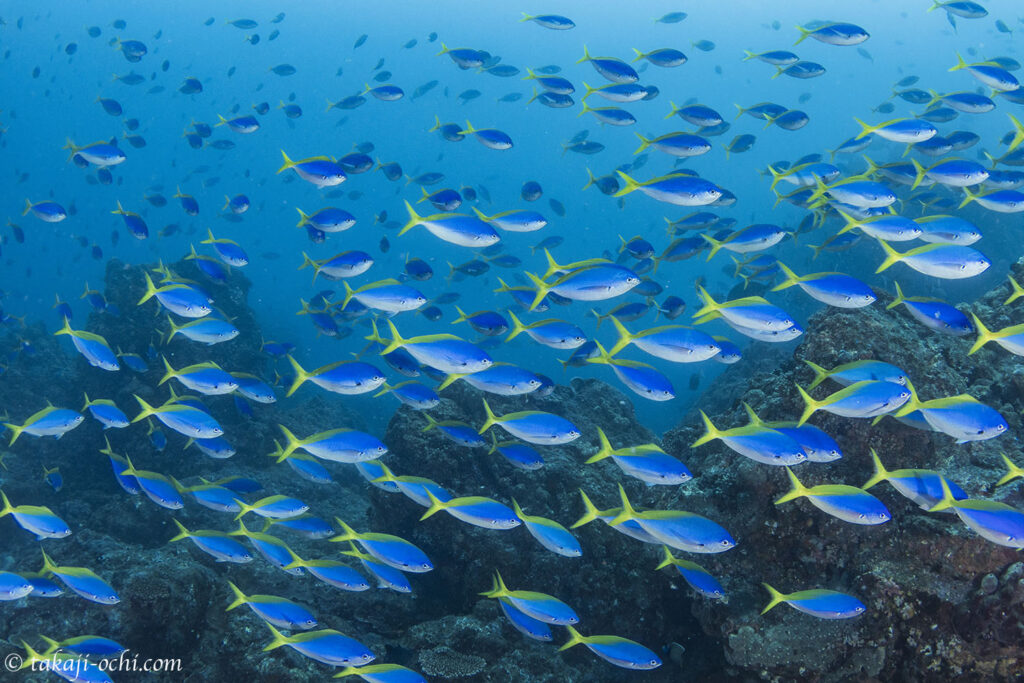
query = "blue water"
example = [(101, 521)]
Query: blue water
[(39, 112), (900, 45)]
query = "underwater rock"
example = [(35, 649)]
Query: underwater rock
[(932, 611), (614, 571), (444, 662), (173, 597)]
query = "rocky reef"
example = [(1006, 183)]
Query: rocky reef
[(943, 602)]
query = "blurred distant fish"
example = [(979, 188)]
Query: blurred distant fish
[(671, 18), (423, 89), (583, 147), (283, 69)]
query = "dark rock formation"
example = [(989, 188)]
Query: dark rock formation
[(943, 602), (920, 574)]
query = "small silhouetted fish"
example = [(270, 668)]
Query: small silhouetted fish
[(511, 97), (804, 97), (410, 44), (360, 40), (273, 35), (94, 31), (380, 63), (382, 76), (503, 71), (283, 69), (467, 95), (71, 48), (208, 22), (473, 268), (531, 191), (432, 37), (557, 207), (385, 245), (704, 45), (190, 86), (429, 178), (448, 298), (350, 102), (671, 18), (254, 39), (424, 89), (222, 144), (585, 147), (865, 54), (907, 81), (166, 65), (112, 107), (741, 143), (128, 79)]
